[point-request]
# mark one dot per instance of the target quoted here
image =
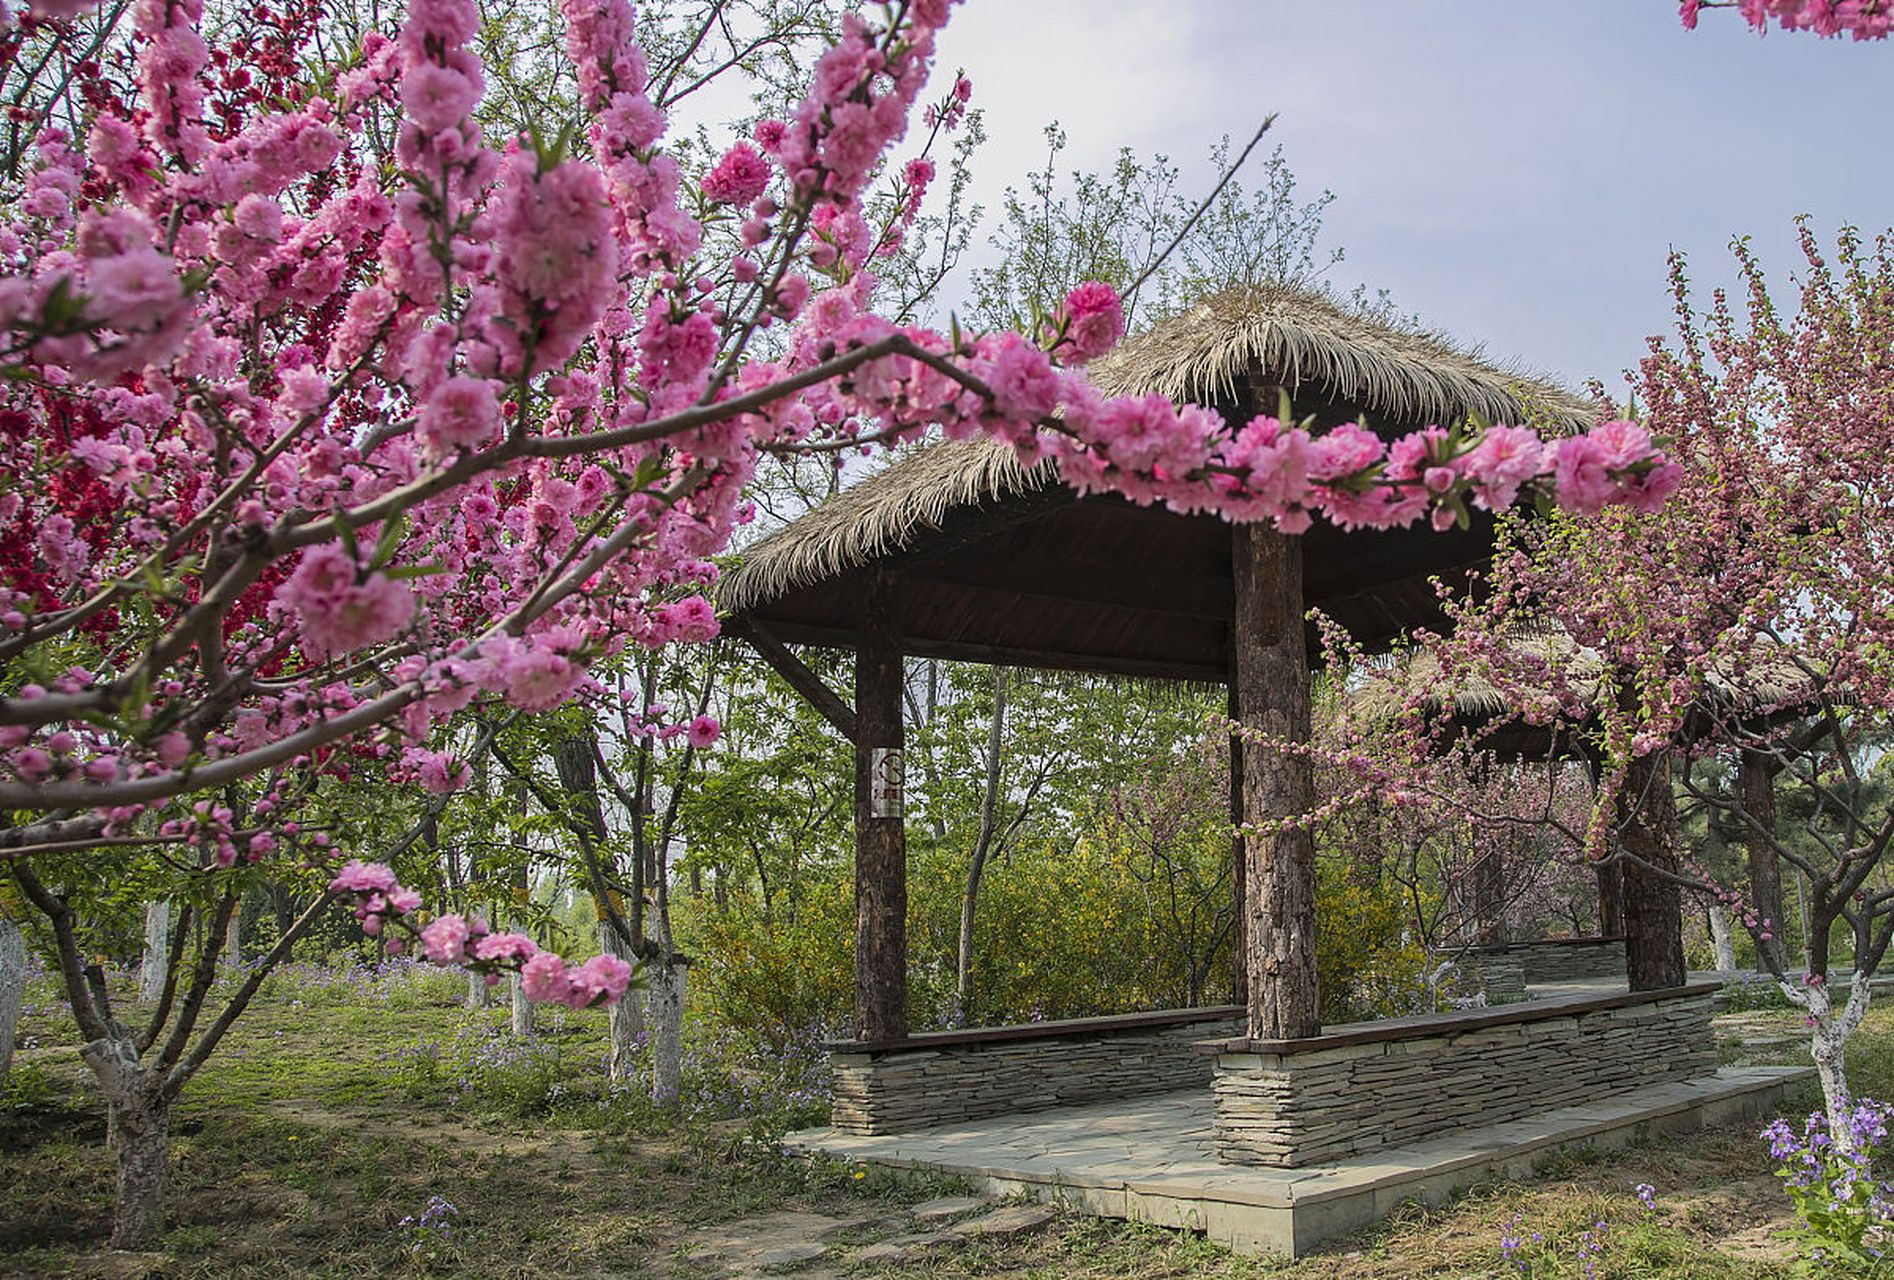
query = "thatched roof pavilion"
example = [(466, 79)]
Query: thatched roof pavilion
[(998, 563), (957, 551)]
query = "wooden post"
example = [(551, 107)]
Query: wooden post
[(1239, 932), (1272, 694), (1610, 877), (881, 884), (1653, 905), (1758, 777)]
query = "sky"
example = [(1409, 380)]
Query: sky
[(1513, 171)]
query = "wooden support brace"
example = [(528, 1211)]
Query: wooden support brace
[(798, 676)]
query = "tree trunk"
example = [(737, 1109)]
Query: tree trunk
[(1489, 898), (522, 1007), (627, 1016), (233, 940), (1829, 1041), (881, 887), (1610, 877), (12, 988), (1272, 671), (151, 968), (1720, 939), (982, 845), (664, 1001), (1756, 776), (479, 994), (138, 1128), (1653, 905)]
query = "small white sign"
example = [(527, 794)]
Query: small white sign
[(887, 775)]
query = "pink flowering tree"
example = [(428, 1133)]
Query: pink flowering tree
[(308, 452), (1736, 641)]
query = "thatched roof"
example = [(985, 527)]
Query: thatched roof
[(1769, 687), (1300, 338), (999, 562), (877, 516)]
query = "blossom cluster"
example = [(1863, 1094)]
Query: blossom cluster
[(378, 899), (1861, 19)]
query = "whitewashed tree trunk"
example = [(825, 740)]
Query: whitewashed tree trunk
[(479, 994), (138, 1127), (628, 1015), (665, 1010), (233, 941), (157, 951), (522, 1007), (1829, 1041), (1720, 938), (12, 988)]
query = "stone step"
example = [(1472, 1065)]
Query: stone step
[(947, 1207)]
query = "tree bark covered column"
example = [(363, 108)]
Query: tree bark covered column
[(1239, 881), (1271, 669), (1757, 774), (881, 873), (1653, 904)]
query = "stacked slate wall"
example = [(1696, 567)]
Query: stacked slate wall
[(1567, 959), (1359, 1089), (943, 1078)]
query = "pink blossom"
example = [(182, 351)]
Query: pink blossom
[(1584, 482), (739, 177), (703, 731), (462, 413), (543, 979), (439, 772), (1503, 461), (505, 946), (1093, 320), (445, 939), (337, 618), (438, 97), (357, 876), (600, 980), (1023, 383)]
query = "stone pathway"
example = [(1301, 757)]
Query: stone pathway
[(815, 1246)]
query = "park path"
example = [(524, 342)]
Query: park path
[(817, 1246)]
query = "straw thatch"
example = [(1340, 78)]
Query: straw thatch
[(1768, 687), (1307, 339), (877, 516), (1303, 341)]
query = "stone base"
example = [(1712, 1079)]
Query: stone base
[(1151, 1159), (1352, 1091), (945, 1077)]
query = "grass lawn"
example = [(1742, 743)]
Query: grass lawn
[(344, 1103)]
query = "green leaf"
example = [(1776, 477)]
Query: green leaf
[(392, 533), (345, 532)]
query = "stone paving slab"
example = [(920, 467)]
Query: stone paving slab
[(1152, 1158)]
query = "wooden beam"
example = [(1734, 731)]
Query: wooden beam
[(1272, 695), (881, 886), (1239, 880), (1208, 672), (811, 686), (1070, 581)]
